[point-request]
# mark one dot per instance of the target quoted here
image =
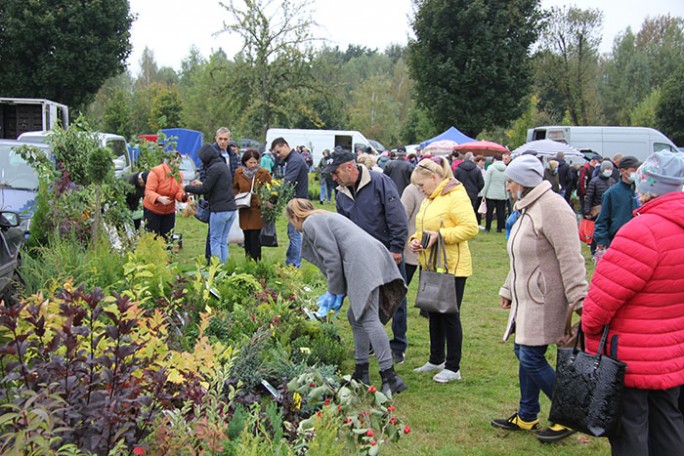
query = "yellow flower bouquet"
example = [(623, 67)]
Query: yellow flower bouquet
[(273, 197)]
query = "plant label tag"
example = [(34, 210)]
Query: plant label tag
[(271, 389)]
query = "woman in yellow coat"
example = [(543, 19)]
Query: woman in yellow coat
[(446, 210)]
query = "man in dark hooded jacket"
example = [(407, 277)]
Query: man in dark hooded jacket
[(470, 175)]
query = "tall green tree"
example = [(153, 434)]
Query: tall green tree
[(62, 49), (470, 60), (670, 110), (568, 64), (276, 55)]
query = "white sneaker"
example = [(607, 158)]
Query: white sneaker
[(446, 376), (429, 367)]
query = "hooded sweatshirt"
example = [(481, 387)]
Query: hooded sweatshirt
[(638, 288), (218, 182), (470, 175)]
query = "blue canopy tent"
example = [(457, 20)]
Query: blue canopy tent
[(188, 142), (452, 134)]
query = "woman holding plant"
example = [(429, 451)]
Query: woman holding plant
[(249, 178), (346, 255), (162, 190)]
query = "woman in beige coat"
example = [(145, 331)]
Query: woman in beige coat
[(547, 275)]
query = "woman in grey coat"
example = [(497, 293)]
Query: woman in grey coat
[(346, 254)]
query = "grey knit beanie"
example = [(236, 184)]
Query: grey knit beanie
[(662, 172), (525, 170), (606, 164)]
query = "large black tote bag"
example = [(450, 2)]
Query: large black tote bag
[(587, 393), (436, 287)]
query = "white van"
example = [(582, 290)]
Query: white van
[(117, 144), (318, 140), (639, 142)]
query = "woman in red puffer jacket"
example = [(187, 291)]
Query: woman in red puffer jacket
[(638, 289)]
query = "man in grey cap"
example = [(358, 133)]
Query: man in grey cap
[(372, 202), (617, 205)]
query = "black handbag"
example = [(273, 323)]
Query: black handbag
[(268, 236), (203, 212), (436, 288), (587, 393)]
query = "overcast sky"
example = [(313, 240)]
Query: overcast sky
[(171, 27)]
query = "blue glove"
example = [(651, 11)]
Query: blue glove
[(337, 304), (325, 303)]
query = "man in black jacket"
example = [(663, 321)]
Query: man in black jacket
[(470, 175), (297, 175), (222, 143), (399, 170)]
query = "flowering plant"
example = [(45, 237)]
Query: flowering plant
[(361, 418), (273, 196)]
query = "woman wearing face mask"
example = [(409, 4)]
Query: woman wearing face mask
[(595, 190), (617, 205), (638, 289), (547, 275), (249, 177)]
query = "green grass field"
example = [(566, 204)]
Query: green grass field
[(449, 419)]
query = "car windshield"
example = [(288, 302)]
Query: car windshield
[(14, 171)]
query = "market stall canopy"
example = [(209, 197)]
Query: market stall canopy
[(188, 142), (442, 147), (452, 133), (547, 148), (486, 148)]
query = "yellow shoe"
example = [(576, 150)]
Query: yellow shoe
[(515, 423)]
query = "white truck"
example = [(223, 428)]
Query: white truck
[(121, 155), (19, 115), (318, 140), (639, 142)]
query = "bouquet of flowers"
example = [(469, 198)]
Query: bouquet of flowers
[(273, 197)]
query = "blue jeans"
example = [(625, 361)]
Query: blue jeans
[(219, 227), (326, 190), (399, 340), (535, 374), (293, 256)]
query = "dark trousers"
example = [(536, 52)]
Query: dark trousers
[(253, 244), (399, 341), (476, 206), (500, 206), (161, 225), (207, 246), (651, 424), (447, 328), (410, 270)]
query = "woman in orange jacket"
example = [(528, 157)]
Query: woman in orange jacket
[(163, 189)]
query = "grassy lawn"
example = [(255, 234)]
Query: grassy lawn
[(451, 419)]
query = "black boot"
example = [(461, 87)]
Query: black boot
[(392, 382), (361, 374)]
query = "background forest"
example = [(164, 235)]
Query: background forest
[(492, 68)]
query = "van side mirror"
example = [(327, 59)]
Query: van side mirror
[(9, 219)]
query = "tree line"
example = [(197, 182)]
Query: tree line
[(493, 69)]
